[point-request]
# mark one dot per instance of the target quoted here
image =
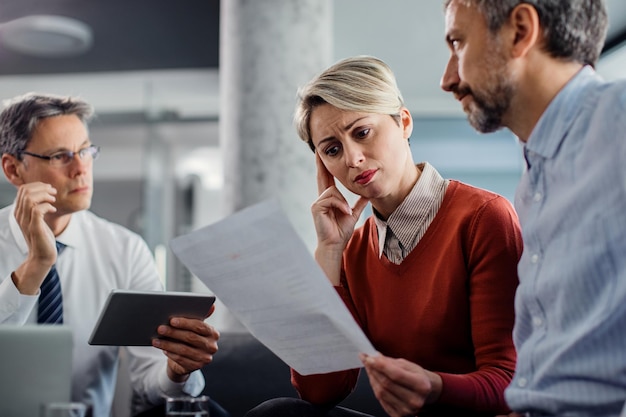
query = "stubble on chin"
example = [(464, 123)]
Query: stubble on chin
[(488, 108)]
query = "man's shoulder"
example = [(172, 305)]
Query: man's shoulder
[(5, 227), (92, 222), (617, 84), (4, 212), (598, 116), (611, 95), (618, 89)]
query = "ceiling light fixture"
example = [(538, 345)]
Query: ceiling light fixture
[(46, 35)]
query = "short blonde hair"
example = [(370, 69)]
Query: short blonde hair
[(361, 83)]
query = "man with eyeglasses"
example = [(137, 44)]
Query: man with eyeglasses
[(62, 158), (48, 156)]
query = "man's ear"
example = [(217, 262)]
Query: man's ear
[(524, 21), (10, 166)]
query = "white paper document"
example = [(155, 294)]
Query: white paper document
[(258, 266)]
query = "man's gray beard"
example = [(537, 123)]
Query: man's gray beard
[(488, 109)]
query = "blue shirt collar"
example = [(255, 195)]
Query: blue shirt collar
[(556, 121)]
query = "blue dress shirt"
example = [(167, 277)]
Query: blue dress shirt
[(570, 329)]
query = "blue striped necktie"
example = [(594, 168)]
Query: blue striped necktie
[(50, 309)]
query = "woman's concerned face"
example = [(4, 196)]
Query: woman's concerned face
[(367, 152)]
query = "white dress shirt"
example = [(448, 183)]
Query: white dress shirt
[(99, 256)]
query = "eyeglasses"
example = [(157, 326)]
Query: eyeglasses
[(63, 158)]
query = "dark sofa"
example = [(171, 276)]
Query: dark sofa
[(245, 373)]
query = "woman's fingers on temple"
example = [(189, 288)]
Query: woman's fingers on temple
[(324, 178), (332, 197)]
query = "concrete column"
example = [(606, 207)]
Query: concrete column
[(268, 48)]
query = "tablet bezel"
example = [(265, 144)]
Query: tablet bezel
[(131, 318)]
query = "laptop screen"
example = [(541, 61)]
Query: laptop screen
[(35, 368)]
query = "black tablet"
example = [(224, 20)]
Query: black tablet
[(131, 318)]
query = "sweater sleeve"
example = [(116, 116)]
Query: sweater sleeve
[(493, 249), (330, 388)]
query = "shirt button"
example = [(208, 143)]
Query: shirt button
[(534, 259), (537, 197), (537, 321), (522, 382)]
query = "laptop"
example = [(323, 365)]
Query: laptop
[(35, 368)]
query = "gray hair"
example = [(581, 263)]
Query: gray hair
[(574, 30), (21, 115), (360, 83)]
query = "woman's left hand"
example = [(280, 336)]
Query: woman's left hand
[(401, 387)]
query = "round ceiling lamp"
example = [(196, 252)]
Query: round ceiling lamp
[(46, 35)]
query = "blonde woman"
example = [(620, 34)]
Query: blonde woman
[(431, 274)]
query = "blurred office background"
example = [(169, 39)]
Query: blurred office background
[(182, 89)]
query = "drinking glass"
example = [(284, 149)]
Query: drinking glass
[(187, 406), (64, 409)]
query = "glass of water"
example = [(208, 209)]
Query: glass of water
[(62, 409), (187, 406)]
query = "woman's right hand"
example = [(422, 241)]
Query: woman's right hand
[(334, 221)]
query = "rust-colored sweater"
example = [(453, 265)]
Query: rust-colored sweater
[(447, 307)]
